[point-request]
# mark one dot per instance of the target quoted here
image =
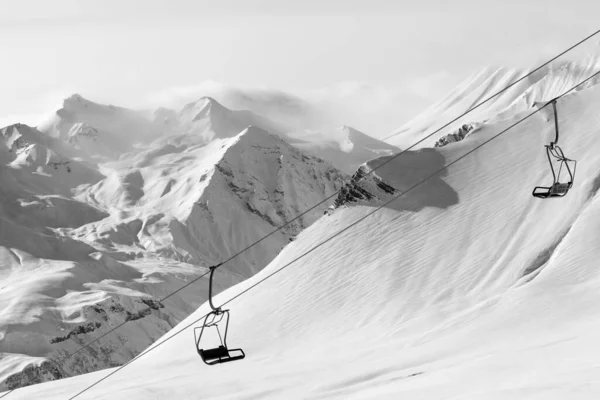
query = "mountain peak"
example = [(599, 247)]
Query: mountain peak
[(75, 97), (256, 131), (12, 127), (203, 108), (75, 100), (203, 103), (256, 136), (349, 130)]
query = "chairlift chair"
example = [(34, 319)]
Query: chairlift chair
[(214, 320), (558, 188)]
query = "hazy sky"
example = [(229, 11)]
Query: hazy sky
[(128, 52)]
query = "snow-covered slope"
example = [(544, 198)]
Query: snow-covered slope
[(208, 202), (558, 79), (98, 131), (118, 239), (467, 288), (345, 148), (538, 88), (468, 94), (42, 164)]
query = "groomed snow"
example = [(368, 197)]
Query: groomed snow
[(488, 293)]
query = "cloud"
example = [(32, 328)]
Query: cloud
[(177, 96), (27, 119), (376, 109), (433, 86), (44, 105)]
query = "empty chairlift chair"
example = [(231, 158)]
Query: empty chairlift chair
[(217, 320), (553, 151)]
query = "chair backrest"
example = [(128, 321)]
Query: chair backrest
[(559, 188)]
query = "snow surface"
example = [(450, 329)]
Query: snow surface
[(480, 292), (540, 87), (345, 148)]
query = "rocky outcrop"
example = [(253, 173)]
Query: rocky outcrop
[(33, 374), (80, 330), (455, 136), (363, 187), (65, 361)]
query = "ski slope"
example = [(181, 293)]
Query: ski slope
[(469, 93), (481, 293), (540, 87)]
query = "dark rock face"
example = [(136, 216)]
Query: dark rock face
[(31, 375), (456, 136), (407, 182), (80, 330), (64, 363), (353, 191)]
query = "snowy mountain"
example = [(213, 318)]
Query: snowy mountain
[(284, 108), (98, 131), (204, 120), (539, 88), (466, 287), (207, 119), (346, 148), (468, 94), (42, 164), (86, 246), (459, 289), (369, 108), (207, 202)]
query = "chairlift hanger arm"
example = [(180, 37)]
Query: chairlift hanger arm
[(210, 286), (555, 123)]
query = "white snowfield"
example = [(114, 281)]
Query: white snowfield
[(541, 86), (482, 292)]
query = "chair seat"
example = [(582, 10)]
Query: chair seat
[(218, 352), (220, 355), (556, 190)]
